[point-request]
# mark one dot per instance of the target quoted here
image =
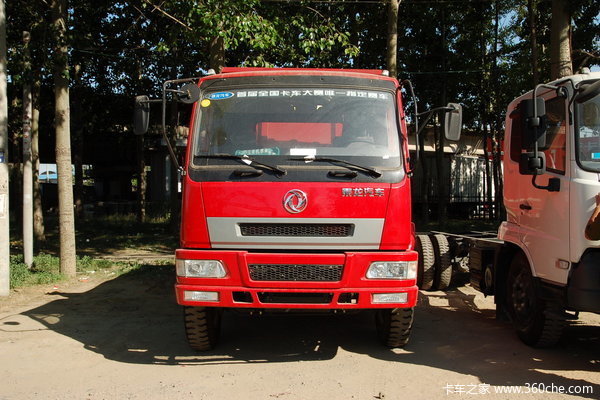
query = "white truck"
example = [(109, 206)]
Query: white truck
[(540, 268)]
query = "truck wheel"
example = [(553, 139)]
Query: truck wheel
[(425, 273), (537, 323), (443, 265), (394, 325), (202, 326)]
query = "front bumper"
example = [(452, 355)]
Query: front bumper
[(351, 291)]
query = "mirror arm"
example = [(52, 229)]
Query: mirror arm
[(429, 114), (164, 117), (553, 184)]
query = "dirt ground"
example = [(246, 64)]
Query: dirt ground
[(104, 336)]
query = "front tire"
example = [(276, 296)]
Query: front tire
[(202, 327), (537, 321), (394, 326)]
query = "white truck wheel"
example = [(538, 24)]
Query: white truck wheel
[(537, 323)]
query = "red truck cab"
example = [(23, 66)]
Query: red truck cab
[(296, 196)]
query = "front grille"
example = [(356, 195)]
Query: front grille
[(306, 230), (295, 272)]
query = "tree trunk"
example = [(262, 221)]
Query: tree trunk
[(63, 141), (38, 209), (443, 185), (532, 12), (392, 43), (560, 41), (217, 54), (141, 186), (4, 220), (27, 164)]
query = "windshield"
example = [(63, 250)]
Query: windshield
[(279, 125), (588, 137)]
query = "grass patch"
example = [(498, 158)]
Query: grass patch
[(46, 269)]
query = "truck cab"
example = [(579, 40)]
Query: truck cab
[(551, 179), (296, 196)]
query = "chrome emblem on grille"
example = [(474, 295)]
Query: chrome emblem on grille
[(295, 201)]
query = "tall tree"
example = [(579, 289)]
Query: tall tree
[(532, 13), (38, 210), (63, 140), (4, 220), (392, 42), (27, 159)]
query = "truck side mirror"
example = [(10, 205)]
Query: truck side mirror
[(534, 131), (529, 164), (189, 93), (453, 122), (141, 115)]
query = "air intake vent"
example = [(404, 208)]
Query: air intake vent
[(302, 230), (295, 272)]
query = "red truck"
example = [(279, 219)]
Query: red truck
[(296, 196)]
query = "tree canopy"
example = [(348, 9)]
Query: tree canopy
[(476, 52)]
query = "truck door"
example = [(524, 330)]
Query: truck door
[(543, 216)]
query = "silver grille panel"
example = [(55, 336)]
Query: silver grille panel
[(293, 233), (295, 272)]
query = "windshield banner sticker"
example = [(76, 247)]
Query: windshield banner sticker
[(299, 93)]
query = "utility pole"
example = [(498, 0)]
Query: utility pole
[(27, 164), (4, 220)]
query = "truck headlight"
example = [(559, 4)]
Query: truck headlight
[(392, 270), (387, 298), (200, 268)]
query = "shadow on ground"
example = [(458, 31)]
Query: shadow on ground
[(135, 319)]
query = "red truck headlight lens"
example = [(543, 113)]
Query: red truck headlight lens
[(200, 268), (392, 270)]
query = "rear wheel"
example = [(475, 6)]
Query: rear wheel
[(537, 322), (394, 326), (202, 327), (426, 260), (443, 266)]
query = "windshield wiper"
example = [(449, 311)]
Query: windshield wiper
[(246, 160), (370, 171)]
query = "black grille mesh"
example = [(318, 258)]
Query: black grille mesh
[(306, 230), (295, 272)]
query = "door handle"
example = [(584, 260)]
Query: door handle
[(525, 207)]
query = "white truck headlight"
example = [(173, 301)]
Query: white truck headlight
[(392, 270), (200, 268)]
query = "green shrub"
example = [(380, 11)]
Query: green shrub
[(45, 270)]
